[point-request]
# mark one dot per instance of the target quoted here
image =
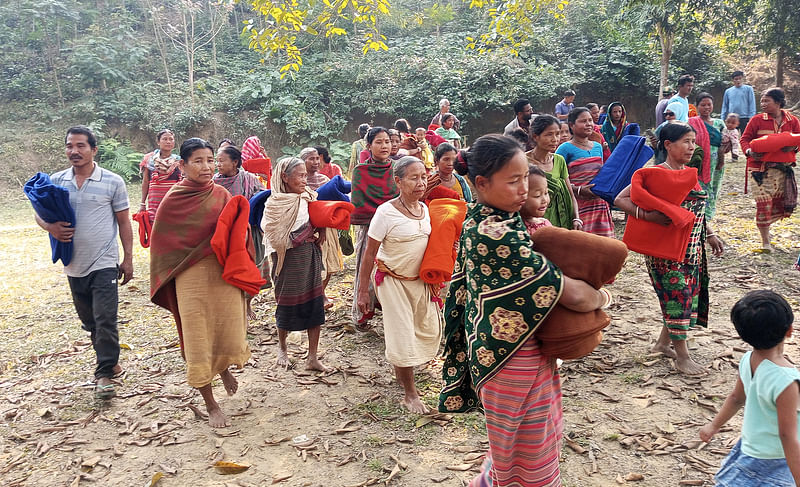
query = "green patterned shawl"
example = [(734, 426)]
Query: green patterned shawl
[(500, 293)]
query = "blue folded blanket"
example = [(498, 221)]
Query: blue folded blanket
[(630, 154), (335, 190), (51, 203), (257, 202)]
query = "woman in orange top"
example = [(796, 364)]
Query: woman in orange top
[(774, 185)]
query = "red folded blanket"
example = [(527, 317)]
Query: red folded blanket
[(656, 188), (568, 334), (447, 218), (770, 145), (260, 165), (330, 214), (143, 220), (234, 247), (373, 184), (441, 192)]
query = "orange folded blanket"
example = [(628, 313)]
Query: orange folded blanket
[(234, 248), (330, 214), (656, 188), (143, 220), (770, 145), (568, 334), (447, 218), (440, 192)]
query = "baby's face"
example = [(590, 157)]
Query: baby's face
[(732, 123)]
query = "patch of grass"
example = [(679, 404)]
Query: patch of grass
[(611, 437), (376, 465), (425, 435), (374, 441), (381, 409), (632, 377)]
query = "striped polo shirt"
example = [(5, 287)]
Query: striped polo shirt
[(95, 204)]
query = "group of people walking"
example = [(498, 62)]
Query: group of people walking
[(206, 265)]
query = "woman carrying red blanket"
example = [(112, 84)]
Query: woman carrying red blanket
[(373, 185), (773, 183), (584, 159), (397, 238), (681, 287), (186, 278), (294, 246), (160, 170)]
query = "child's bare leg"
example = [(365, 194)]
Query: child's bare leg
[(216, 419), (411, 399), (283, 354), (765, 238), (663, 345), (328, 302), (313, 362), (683, 362), (251, 315)]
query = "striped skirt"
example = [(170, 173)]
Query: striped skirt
[(524, 422), (770, 197), (595, 212), (158, 189), (298, 288)]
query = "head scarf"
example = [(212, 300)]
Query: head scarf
[(306, 152), (677, 108), (612, 133), (252, 149), (284, 212)]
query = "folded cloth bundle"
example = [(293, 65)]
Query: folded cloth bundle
[(259, 165), (373, 185), (568, 334), (631, 153), (336, 189), (447, 218), (440, 192), (770, 145), (433, 138), (330, 214), (234, 247), (631, 129), (257, 202), (656, 188), (143, 219), (51, 203)]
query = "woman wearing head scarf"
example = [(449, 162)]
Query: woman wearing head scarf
[(186, 278), (252, 149), (614, 125), (294, 246), (672, 112), (232, 177)]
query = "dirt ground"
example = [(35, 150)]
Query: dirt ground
[(628, 415)]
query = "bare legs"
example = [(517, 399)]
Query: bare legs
[(765, 238), (216, 418), (683, 362), (411, 400), (312, 363), (328, 301)]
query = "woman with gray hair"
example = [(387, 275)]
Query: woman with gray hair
[(294, 247), (444, 107), (332, 258), (397, 238)]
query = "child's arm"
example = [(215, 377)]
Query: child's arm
[(732, 405), (787, 428)]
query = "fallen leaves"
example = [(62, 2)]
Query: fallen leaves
[(230, 468)]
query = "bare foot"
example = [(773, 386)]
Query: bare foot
[(327, 302), (666, 350), (229, 381), (315, 364), (216, 419), (689, 367), (283, 359), (415, 405)]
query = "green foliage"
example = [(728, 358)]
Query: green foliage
[(117, 156)]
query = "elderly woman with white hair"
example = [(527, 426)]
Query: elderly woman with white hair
[(294, 247), (397, 238), (332, 258), (444, 107)]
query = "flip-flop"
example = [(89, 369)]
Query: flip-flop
[(120, 375), (104, 392)]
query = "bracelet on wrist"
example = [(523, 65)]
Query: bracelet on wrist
[(578, 221), (637, 213), (579, 190)]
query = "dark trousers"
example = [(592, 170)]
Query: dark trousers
[(742, 124), (96, 299)]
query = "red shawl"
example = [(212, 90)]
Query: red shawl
[(330, 214), (373, 185), (234, 247), (656, 188), (185, 222), (704, 142)]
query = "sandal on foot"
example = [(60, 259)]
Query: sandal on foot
[(104, 392)]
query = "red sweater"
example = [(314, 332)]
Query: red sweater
[(764, 124)]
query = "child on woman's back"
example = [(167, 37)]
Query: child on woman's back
[(768, 452), (535, 206)]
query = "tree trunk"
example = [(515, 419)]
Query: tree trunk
[(666, 40), (781, 56)]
